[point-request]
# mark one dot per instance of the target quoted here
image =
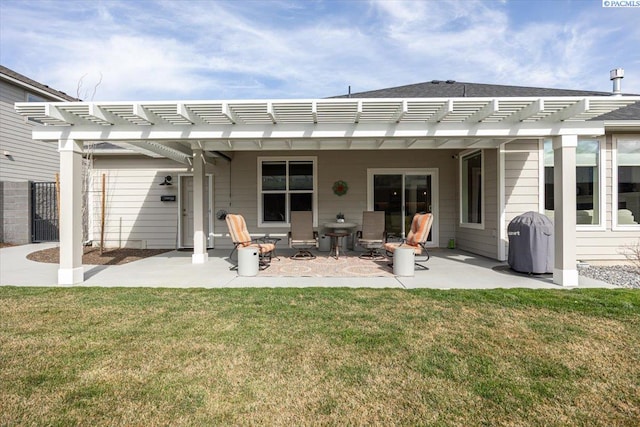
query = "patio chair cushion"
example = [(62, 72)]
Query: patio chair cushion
[(238, 230), (420, 227), (263, 248), (392, 246)]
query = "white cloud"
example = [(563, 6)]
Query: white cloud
[(215, 49)]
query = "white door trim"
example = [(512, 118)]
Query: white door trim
[(435, 198)]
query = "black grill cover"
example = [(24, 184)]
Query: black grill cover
[(531, 243)]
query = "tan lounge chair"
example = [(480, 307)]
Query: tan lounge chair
[(416, 239), (302, 236), (241, 238), (372, 236)]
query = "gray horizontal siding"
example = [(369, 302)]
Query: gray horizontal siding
[(28, 160), (484, 241)]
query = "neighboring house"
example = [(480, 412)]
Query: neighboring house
[(475, 155), (22, 160)]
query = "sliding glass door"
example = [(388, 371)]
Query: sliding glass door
[(401, 194)]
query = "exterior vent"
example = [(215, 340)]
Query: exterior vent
[(616, 75)]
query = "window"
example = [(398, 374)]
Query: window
[(471, 181), (627, 181), (285, 185), (34, 98), (588, 180)]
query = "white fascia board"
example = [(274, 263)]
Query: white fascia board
[(32, 88), (622, 124)]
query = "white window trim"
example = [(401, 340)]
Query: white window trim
[(614, 185), (435, 197), (602, 177), (261, 159), (463, 155)]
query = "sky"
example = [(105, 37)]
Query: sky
[(107, 50)]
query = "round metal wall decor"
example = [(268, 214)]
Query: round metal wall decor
[(340, 188), (221, 214)]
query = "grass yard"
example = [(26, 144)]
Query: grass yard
[(97, 356)]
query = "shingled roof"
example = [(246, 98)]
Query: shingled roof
[(453, 89), (30, 82)]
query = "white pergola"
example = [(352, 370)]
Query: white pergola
[(188, 131)]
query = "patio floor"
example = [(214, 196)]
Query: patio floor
[(448, 269)]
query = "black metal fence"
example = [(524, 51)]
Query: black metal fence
[(44, 212)]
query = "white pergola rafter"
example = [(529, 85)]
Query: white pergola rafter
[(343, 110), (169, 149), (368, 123)]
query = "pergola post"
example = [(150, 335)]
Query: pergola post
[(71, 270), (200, 254), (565, 272)]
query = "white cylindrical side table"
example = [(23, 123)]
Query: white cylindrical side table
[(324, 243), (404, 262), (248, 261)]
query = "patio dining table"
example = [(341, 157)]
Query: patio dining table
[(338, 230)]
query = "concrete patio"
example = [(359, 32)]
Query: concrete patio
[(448, 269)]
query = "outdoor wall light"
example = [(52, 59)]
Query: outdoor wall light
[(167, 180)]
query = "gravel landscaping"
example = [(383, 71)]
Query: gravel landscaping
[(625, 276)]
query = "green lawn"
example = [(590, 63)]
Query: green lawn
[(90, 356)]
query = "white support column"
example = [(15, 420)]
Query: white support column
[(502, 228), (200, 254), (565, 272), (71, 270)]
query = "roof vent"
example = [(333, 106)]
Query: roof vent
[(616, 75), (435, 82), (451, 82)]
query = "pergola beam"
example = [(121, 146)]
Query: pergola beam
[(54, 112), (492, 107), (140, 112), (320, 131), (184, 112), (105, 116), (442, 112), (579, 107), (536, 107), (171, 150), (228, 113)]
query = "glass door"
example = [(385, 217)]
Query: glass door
[(402, 194), (387, 197)]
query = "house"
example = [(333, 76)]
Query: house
[(475, 155), (22, 160)]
